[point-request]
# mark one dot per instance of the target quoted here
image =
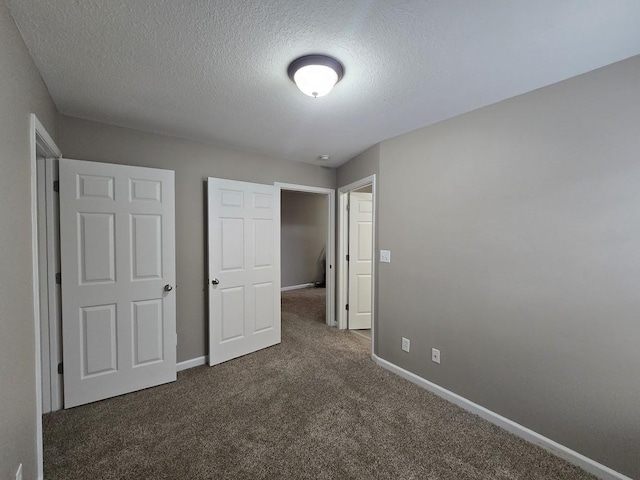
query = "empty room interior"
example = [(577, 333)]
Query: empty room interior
[(348, 239)]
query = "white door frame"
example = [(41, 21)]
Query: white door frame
[(330, 251), (343, 247), (41, 145), (49, 265)]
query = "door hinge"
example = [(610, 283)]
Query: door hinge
[(348, 206), (347, 257), (347, 307), (56, 186), (60, 369), (59, 278)]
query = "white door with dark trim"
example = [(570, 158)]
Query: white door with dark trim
[(360, 259), (244, 268), (117, 237)]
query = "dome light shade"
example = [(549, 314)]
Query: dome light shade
[(315, 75)]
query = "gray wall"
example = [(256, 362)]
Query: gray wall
[(303, 236), (364, 165), (515, 239), (193, 162), (23, 92)]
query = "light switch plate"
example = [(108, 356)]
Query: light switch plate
[(385, 256)]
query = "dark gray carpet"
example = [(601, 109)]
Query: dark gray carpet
[(314, 407)]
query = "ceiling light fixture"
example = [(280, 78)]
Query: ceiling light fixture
[(315, 75), (324, 158)]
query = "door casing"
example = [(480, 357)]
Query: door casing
[(42, 145), (49, 265)]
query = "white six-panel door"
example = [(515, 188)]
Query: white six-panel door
[(118, 275), (360, 259), (244, 268)]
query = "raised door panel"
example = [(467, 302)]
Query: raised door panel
[(232, 244), (364, 235), (98, 340), (148, 332), (146, 247), (263, 204), (232, 316), (232, 198), (263, 296), (96, 236), (145, 190), (263, 243), (363, 293), (95, 187)]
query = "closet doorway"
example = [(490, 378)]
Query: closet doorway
[(357, 265)]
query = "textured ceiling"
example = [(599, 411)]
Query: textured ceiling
[(216, 71)]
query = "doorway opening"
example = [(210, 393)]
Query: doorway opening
[(307, 220), (303, 245), (357, 265)]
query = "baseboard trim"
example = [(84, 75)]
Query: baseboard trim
[(297, 287), (601, 471), (194, 362)]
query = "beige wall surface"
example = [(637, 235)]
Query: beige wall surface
[(303, 237), (515, 240), (23, 92), (193, 162)]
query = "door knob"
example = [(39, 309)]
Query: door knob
[(215, 281), (168, 288)]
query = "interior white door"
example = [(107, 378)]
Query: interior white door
[(360, 259), (117, 232), (244, 268)]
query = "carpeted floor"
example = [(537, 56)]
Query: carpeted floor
[(310, 303), (313, 407)]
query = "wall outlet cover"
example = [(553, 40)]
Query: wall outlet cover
[(406, 344), (435, 355), (385, 256)]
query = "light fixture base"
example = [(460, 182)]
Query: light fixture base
[(315, 75), (315, 59)]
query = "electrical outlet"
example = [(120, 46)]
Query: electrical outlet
[(406, 344), (385, 256), (19, 472), (435, 355)]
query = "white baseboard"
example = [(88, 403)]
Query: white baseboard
[(297, 287), (601, 471), (194, 362)]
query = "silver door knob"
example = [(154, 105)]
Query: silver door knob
[(215, 281), (168, 288)]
